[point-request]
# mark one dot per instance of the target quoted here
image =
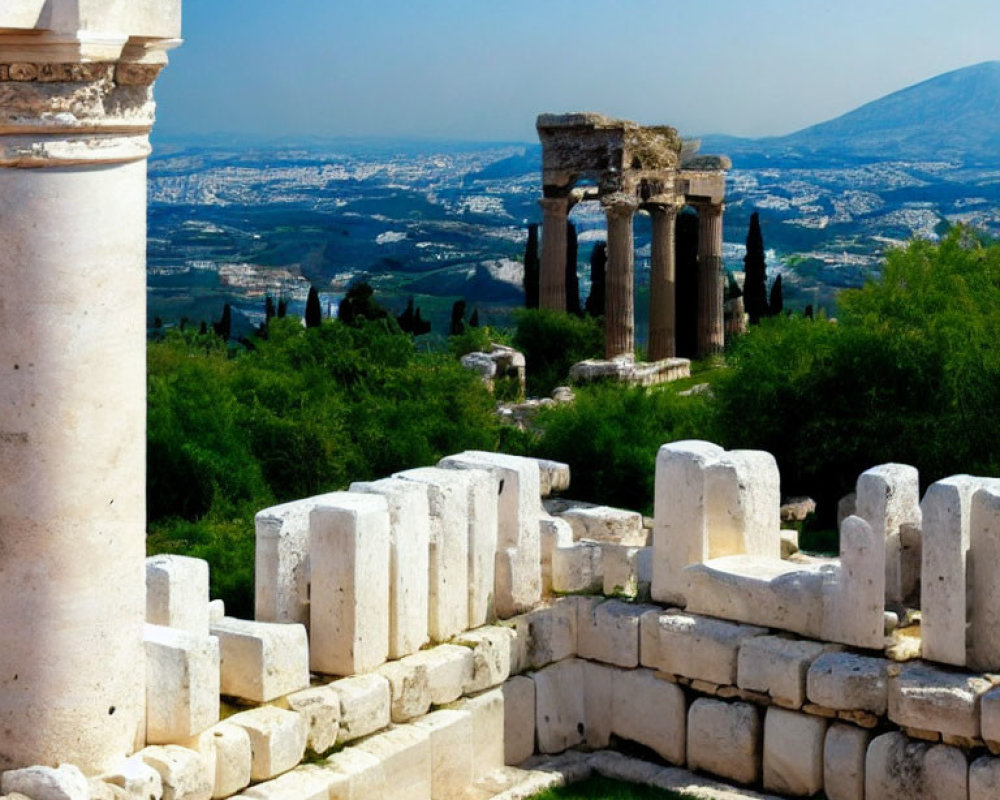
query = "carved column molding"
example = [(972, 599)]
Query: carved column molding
[(552, 272), (662, 282), (711, 331), (619, 300)]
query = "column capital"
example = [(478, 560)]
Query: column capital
[(619, 204), (557, 205)]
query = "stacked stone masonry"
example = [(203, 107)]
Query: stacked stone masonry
[(358, 696)]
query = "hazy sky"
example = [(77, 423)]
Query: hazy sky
[(483, 69)]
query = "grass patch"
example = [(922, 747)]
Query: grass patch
[(607, 789)]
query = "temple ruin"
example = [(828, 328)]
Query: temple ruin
[(629, 167)]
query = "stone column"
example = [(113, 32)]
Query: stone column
[(619, 300), (555, 216), (76, 109), (711, 335), (662, 283)]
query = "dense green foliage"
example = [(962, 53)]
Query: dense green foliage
[(552, 343), (308, 410), (607, 789)]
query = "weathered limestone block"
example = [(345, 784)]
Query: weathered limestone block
[(621, 570), (182, 683), (898, 768), (553, 532), (578, 568), (854, 594), (281, 561), (793, 752), (262, 660), (945, 511), (136, 779), (365, 703), (550, 632), (449, 669), (608, 631), (65, 782), (409, 549), (946, 773), (409, 687), (448, 601), (561, 720), (989, 711), (349, 553), (598, 703), (484, 522), (177, 592), (846, 682), (745, 508), (650, 711), (518, 719), (449, 735), (518, 578), (888, 497), (300, 784), (277, 739), (361, 773), (931, 699), (777, 666), (216, 610), (491, 651), (553, 476), (320, 706), (227, 752), (724, 739), (649, 638), (984, 599), (700, 647), (405, 753), (184, 773), (984, 778), (606, 524), (844, 754), (487, 710)]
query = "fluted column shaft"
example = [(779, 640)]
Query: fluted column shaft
[(619, 300), (552, 278), (711, 331), (662, 283)]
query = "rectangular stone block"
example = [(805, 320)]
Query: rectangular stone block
[(405, 753), (598, 702), (605, 524), (724, 739), (182, 683), (281, 561), (844, 753), (277, 739), (177, 592), (65, 782), (922, 696), (793, 752), (888, 497), (898, 768), (621, 570), (349, 553), (946, 773), (608, 631), (491, 651), (226, 748), (262, 660), (984, 778), (183, 772), (448, 600), (989, 715), (304, 784), (449, 735), (701, 648), (483, 532), (651, 712), (133, 776), (854, 594), (362, 776), (449, 669), (560, 712), (649, 638), (777, 666), (320, 706), (744, 512), (984, 599), (409, 689), (487, 710), (518, 719), (846, 682), (409, 553), (550, 632), (578, 568), (553, 532), (365, 703)]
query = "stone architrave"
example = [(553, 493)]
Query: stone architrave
[(76, 82), (711, 323), (348, 614), (984, 599), (619, 299), (662, 283), (552, 273), (888, 497)]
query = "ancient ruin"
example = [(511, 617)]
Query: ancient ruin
[(627, 168)]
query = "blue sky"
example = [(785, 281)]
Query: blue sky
[(472, 69)]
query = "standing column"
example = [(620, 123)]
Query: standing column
[(662, 283), (555, 215), (619, 302), (711, 333), (76, 109)]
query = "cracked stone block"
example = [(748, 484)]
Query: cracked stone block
[(365, 705), (928, 698), (777, 666)]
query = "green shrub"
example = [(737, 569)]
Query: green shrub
[(552, 342)]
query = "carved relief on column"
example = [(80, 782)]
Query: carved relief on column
[(711, 332), (662, 283), (619, 302), (552, 274)]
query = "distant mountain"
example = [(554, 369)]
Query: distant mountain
[(952, 116)]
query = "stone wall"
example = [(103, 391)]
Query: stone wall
[(440, 634)]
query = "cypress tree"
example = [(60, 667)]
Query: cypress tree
[(282, 307), (686, 302), (572, 279), (224, 327), (474, 318), (755, 282), (598, 272), (776, 303), (268, 309), (314, 311), (420, 325), (457, 318), (405, 319), (532, 269)]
